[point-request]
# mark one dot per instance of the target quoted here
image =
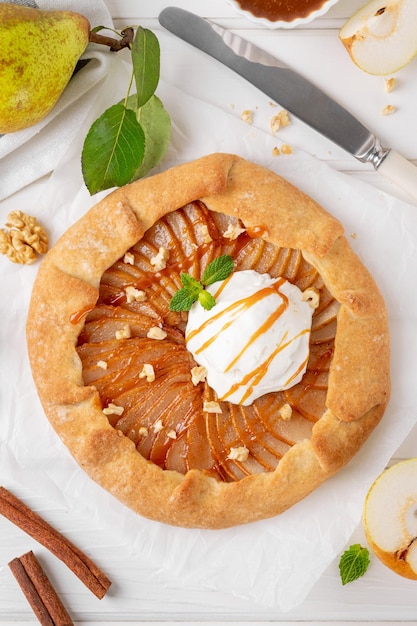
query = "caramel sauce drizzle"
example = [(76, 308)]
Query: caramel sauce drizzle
[(76, 317), (261, 370), (153, 279), (236, 309), (214, 431), (268, 323)]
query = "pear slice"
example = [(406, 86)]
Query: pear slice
[(390, 518), (381, 36)]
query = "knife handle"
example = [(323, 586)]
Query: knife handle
[(400, 171)]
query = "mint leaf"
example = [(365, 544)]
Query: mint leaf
[(182, 300), (193, 289), (206, 300), (190, 283), (219, 269), (146, 64), (353, 563), (113, 149)]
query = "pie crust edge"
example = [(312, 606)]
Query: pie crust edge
[(66, 288)]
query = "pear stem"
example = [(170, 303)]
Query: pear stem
[(113, 44)]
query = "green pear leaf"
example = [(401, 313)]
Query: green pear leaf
[(97, 29), (113, 149), (146, 64), (130, 138), (156, 125)]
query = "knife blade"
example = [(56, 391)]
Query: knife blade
[(293, 92)]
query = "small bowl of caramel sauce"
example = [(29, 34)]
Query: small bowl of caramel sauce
[(281, 13)]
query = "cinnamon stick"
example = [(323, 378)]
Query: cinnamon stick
[(39, 591), (21, 515)]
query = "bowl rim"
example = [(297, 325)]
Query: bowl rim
[(282, 23)]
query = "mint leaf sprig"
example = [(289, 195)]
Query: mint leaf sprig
[(353, 563), (193, 290), (131, 137)]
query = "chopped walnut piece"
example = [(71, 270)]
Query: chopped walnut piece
[(239, 453), (159, 261), (279, 120), (123, 333), (156, 333), (233, 231), (211, 407), (102, 364), (204, 232), (198, 374), (312, 296), (286, 149), (147, 372), (286, 412), (389, 84), (113, 409), (25, 239), (143, 431), (129, 259), (247, 116), (134, 295), (172, 434), (158, 426), (389, 109)]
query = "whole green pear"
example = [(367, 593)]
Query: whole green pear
[(38, 53)]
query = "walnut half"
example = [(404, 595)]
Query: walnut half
[(25, 239)]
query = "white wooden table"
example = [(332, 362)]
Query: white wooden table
[(140, 594)]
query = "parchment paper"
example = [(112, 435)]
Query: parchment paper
[(275, 562)]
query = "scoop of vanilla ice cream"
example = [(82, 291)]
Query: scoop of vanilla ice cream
[(255, 340)]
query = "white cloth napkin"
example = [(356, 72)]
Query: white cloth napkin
[(29, 154), (273, 563)]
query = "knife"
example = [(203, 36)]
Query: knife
[(293, 92)]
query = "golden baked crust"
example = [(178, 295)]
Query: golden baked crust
[(66, 289)]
